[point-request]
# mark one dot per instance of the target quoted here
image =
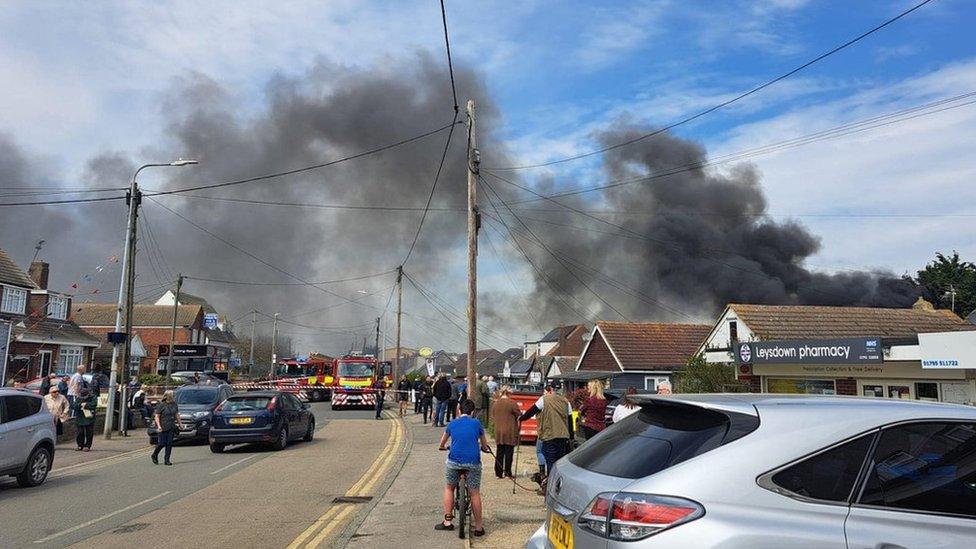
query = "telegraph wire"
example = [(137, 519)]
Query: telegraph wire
[(727, 102), (450, 63), (250, 283)]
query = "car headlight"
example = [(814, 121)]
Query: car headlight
[(200, 415)]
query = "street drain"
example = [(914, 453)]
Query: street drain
[(129, 528), (352, 499)]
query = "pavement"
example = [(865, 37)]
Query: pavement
[(407, 513)]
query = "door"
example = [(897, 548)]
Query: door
[(920, 487), (44, 359), (295, 428), (18, 428)]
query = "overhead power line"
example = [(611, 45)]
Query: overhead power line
[(450, 63), (250, 283), (727, 102)]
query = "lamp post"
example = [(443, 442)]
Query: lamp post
[(126, 285)]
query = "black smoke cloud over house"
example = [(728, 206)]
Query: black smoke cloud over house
[(695, 240)]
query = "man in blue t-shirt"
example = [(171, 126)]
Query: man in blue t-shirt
[(468, 439)]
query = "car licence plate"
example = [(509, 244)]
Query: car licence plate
[(560, 532), (240, 420)]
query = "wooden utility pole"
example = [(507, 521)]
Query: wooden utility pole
[(274, 347), (474, 160), (127, 349), (250, 356), (396, 359), (172, 332)]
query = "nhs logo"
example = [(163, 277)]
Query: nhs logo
[(871, 343)]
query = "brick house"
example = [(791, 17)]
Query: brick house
[(641, 355), (43, 337), (152, 323)]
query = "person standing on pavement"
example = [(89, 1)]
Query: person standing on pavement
[(63, 386), (468, 440), (492, 385), (504, 414), (555, 426), (57, 404), (167, 418), (480, 397), (85, 406), (594, 410), (426, 396), (442, 394), (627, 407), (403, 394), (380, 387), (453, 402), (46, 383), (418, 384), (75, 384)]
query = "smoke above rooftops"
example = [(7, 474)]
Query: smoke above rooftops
[(699, 238)]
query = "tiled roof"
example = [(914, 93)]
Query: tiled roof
[(772, 322), (50, 330), (562, 331), (216, 336), (103, 314), (11, 274), (190, 299), (653, 346)]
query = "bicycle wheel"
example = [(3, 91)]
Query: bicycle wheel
[(463, 506)]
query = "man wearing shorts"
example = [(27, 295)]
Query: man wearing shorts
[(468, 440)]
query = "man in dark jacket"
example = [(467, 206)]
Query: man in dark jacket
[(442, 392)]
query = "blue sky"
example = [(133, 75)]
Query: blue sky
[(80, 79)]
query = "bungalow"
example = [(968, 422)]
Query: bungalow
[(642, 355), (43, 338)]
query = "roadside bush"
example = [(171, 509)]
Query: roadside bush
[(151, 379)]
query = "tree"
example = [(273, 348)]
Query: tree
[(700, 376), (944, 274)]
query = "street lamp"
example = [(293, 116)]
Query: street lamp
[(126, 284)]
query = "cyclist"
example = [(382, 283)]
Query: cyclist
[(468, 440)]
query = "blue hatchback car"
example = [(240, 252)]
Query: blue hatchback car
[(270, 417)]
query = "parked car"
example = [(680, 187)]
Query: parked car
[(770, 471), (186, 376), (272, 417), (196, 404), (27, 437)]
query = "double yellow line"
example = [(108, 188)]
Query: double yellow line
[(336, 516)]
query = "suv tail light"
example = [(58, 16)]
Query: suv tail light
[(627, 516)]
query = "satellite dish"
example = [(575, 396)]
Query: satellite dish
[(426, 352)]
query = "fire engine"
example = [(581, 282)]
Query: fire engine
[(354, 379), (313, 376)]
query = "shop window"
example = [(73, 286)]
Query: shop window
[(873, 391), (14, 300), (925, 390), (899, 391), (924, 467), (829, 475), (801, 386)]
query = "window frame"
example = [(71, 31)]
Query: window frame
[(71, 352), (862, 479), (765, 480), (62, 308), (5, 291)]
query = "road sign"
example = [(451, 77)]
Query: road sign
[(210, 320), (425, 352), (430, 366)]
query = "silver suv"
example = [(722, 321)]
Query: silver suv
[(770, 471), (26, 437)]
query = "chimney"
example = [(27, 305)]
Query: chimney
[(38, 272)]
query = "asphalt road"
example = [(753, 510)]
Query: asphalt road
[(113, 497)]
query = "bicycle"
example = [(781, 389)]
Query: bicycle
[(462, 503)]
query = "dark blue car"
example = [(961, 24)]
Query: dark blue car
[(271, 417)]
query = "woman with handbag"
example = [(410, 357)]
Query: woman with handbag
[(167, 418), (84, 408)]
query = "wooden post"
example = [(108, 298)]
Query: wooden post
[(473, 162)]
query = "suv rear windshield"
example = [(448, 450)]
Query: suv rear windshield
[(658, 437), (196, 396), (240, 404)]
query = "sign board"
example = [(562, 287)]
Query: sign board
[(430, 367), (185, 350), (851, 350), (235, 362), (425, 352), (535, 377), (946, 350), (5, 329), (210, 320)]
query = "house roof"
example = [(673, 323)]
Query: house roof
[(971, 318), (190, 299), (218, 336), (481, 356), (50, 330), (561, 332), (772, 322), (654, 345), (103, 314), (11, 274), (521, 366)]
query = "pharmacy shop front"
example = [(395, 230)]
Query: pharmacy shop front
[(868, 367)]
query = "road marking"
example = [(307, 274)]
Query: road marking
[(238, 462), (338, 513), (128, 454), (101, 518)]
